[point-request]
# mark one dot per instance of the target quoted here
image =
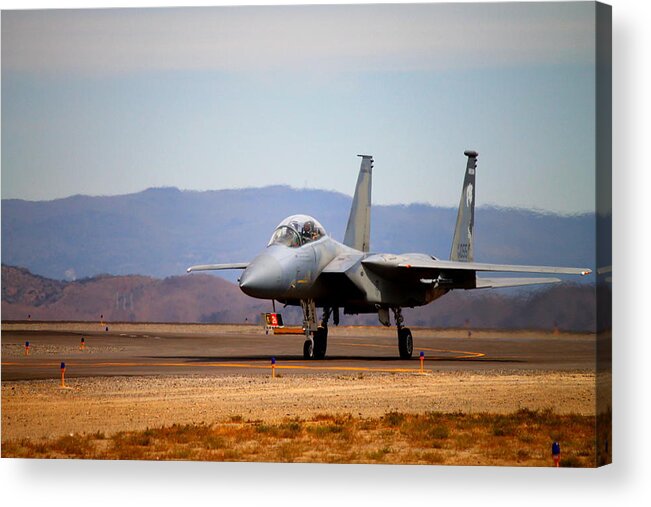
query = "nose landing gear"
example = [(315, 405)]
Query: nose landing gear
[(316, 337), (309, 325)]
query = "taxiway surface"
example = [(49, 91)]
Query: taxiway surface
[(173, 350)]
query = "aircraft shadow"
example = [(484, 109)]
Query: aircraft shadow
[(373, 359)]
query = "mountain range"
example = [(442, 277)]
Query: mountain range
[(159, 232)]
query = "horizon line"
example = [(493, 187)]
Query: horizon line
[(291, 187)]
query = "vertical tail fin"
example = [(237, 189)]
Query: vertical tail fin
[(358, 231), (462, 242)]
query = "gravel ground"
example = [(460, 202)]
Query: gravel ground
[(41, 409)]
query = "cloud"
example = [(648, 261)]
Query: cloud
[(296, 38)]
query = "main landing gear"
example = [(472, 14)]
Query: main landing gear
[(405, 340), (320, 342), (316, 337)]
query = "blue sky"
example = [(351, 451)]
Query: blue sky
[(116, 101)]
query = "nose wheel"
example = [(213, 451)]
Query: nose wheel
[(315, 346), (308, 349)]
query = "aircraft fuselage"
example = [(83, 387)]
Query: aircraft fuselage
[(290, 275)]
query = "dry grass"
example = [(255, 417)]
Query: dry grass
[(522, 438)]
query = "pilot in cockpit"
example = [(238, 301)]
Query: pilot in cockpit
[(308, 233)]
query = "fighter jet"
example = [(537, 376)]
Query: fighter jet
[(303, 265)]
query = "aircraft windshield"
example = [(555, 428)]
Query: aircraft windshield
[(297, 230)]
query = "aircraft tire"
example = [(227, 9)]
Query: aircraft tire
[(405, 343), (320, 342), (308, 349)]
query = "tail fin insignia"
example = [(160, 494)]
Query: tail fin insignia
[(462, 241)]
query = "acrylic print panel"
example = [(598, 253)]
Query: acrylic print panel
[(139, 143)]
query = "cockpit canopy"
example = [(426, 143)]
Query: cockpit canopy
[(297, 230)]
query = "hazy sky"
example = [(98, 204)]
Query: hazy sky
[(116, 101)]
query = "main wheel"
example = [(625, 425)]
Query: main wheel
[(405, 343), (320, 342), (308, 349)]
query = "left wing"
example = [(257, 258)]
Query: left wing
[(211, 267)]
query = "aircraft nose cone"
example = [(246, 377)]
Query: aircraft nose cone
[(262, 278)]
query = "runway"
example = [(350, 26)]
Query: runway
[(145, 350)]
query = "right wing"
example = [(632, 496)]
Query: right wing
[(454, 274), (495, 283), (427, 263), (211, 267)]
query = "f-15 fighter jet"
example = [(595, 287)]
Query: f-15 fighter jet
[(303, 265)]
